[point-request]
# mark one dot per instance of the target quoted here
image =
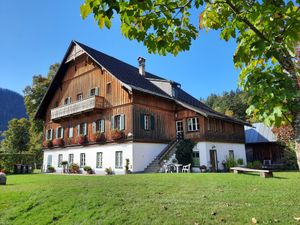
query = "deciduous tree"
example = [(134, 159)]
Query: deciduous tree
[(266, 33)]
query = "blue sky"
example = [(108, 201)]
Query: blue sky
[(35, 34)]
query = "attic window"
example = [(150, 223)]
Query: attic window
[(79, 97), (108, 88)]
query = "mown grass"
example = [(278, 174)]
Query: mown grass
[(150, 199)]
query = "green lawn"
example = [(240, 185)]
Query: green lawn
[(150, 199)]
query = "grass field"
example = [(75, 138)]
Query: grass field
[(150, 199)]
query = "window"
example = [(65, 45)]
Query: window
[(70, 133), (99, 126), (108, 88), (119, 156), (193, 124), (118, 122), (79, 97), (94, 91), (71, 158), (82, 159), (67, 101), (59, 133), (49, 134), (60, 159), (82, 129), (99, 160), (196, 159), (147, 122), (231, 154), (49, 160)]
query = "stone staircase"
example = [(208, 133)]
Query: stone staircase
[(166, 153)]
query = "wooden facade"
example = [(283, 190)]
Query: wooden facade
[(83, 74)]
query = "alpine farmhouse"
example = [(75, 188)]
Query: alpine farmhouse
[(101, 112)]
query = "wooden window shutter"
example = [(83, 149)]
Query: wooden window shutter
[(51, 133), (97, 91), (94, 127), (85, 128), (46, 135), (78, 129), (112, 122), (56, 132), (62, 132), (152, 122), (102, 126), (122, 122), (142, 120)]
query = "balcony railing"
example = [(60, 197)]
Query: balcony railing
[(89, 104)]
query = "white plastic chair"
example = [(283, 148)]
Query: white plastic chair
[(186, 168)]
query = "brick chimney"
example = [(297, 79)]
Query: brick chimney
[(142, 65)]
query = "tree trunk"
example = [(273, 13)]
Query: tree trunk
[(297, 136)]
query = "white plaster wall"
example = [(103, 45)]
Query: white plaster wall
[(108, 156), (144, 153), (222, 152)]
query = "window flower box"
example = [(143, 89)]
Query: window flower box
[(58, 142), (99, 137), (48, 144), (82, 139), (117, 134)]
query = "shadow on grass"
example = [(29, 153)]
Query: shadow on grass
[(257, 175)]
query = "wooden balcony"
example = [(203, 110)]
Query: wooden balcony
[(88, 104)]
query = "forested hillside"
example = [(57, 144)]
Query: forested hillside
[(11, 106)]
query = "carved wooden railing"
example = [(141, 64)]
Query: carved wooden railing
[(88, 104)]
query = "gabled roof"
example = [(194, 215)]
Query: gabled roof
[(259, 133), (130, 78)]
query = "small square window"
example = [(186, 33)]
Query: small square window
[(67, 101), (79, 97), (193, 124)]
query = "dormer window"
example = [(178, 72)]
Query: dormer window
[(67, 101), (79, 97)]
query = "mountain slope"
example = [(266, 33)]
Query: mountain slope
[(11, 106)]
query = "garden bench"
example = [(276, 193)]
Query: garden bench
[(263, 173)]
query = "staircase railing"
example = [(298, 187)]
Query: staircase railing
[(166, 150)]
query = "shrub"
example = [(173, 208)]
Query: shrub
[(74, 168), (184, 152), (203, 168), (230, 162), (58, 142), (127, 166), (117, 134), (289, 159), (88, 169), (108, 171), (63, 163), (240, 161), (50, 169), (255, 165)]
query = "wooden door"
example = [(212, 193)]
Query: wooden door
[(213, 160)]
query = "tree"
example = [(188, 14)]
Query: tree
[(16, 137), (33, 96), (266, 33), (233, 103)]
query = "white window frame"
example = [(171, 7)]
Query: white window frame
[(147, 122), (193, 124), (49, 135), (99, 160), (67, 100), (59, 132), (119, 159), (70, 132), (71, 158), (59, 160), (82, 160), (79, 96)]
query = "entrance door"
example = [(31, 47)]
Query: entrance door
[(213, 160), (179, 129)]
